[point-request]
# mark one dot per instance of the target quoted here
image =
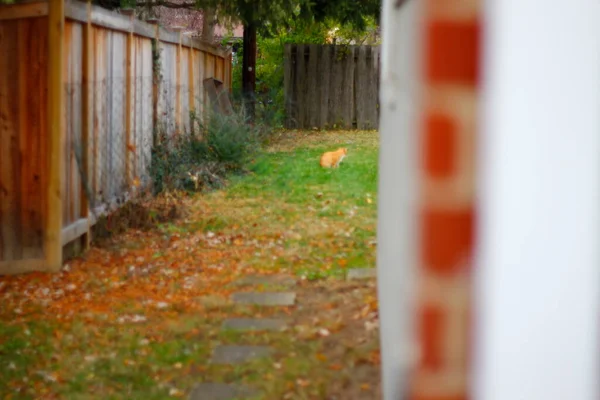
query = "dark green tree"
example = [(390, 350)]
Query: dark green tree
[(267, 16)]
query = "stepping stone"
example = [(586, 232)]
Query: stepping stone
[(220, 391), (226, 354), (283, 280), (254, 324), (361, 273), (265, 299)]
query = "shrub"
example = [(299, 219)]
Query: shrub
[(201, 160), (229, 140)]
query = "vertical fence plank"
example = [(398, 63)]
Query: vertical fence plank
[(312, 98), (335, 84), (155, 79), (129, 148), (301, 85), (52, 237), (366, 88), (361, 82), (348, 93), (325, 78), (286, 82), (32, 133), (328, 85), (86, 119), (373, 87), (178, 86), (8, 140), (192, 90)]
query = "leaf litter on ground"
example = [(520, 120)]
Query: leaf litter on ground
[(137, 317)]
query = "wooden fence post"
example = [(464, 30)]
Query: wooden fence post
[(56, 124), (86, 121), (178, 86), (191, 87), (128, 66), (155, 78)]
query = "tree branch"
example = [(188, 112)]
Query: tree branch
[(167, 4)]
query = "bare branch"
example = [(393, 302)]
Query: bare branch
[(167, 4)]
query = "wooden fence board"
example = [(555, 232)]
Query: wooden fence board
[(33, 134), (167, 94), (288, 84), (324, 87), (348, 92), (312, 85), (336, 84), (54, 197), (9, 131), (22, 137), (23, 10), (328, 85), (198, 79), (72, 144), (184, 93), (301, 88), (46, 145)]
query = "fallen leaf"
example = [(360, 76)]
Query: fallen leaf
[(174, 392), (324, 332), (302, 382)]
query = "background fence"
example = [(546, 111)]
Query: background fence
[(330, 86), (82, 92)]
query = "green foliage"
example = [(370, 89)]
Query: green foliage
[(270, 16), (201, 161), (229, 140), (345, 12), (270, 96)]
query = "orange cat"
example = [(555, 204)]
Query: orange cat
[(332, 159)]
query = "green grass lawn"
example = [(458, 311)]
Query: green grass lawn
[(63, 336)]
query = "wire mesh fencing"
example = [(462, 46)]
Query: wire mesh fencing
[(111, 160)]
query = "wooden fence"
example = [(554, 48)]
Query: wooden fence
[(82, 91), (329, 86)]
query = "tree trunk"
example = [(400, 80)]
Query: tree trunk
[(249, 68), (208, 25)]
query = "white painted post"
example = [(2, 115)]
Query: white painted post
[(538, 270), (398, 161)]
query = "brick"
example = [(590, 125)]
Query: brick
[(447, 238), (431, 330), (419, 396), (439, 145), (452, 52)]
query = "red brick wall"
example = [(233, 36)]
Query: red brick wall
[(451, 36)]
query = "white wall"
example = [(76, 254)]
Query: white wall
[(539, 267), (396, 252)]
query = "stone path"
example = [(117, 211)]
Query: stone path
[(361, 273), (282, 280), (265, 298), (232, 354), (221, 391), (239, 354), (253, 324)]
